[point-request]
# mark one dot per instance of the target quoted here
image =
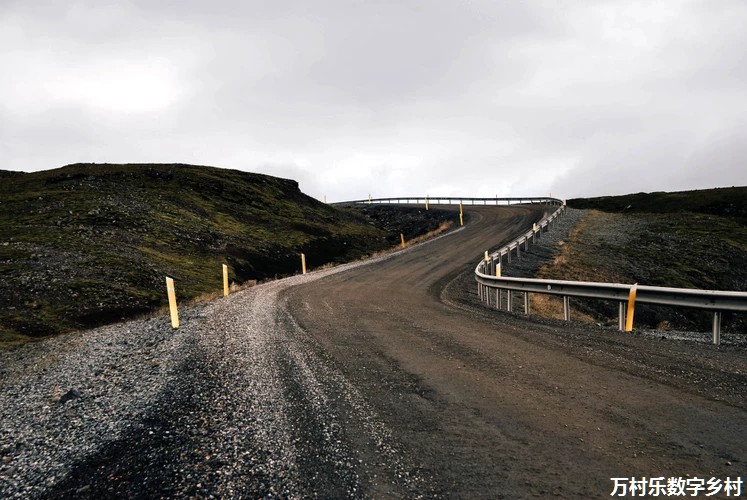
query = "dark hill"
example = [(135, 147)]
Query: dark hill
[(726, 202), (687, 239), (88, 244), (9, 173)]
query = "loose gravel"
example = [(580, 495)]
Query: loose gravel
[(62, 398), (234, 403)]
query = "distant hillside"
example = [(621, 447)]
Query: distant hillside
[(9, 173), (728, 202), (689, 239), (88, 244)]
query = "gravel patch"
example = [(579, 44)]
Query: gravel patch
[(234, 403), (62, 398)]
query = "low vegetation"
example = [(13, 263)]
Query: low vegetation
[(88, 244), (725, 202), (693, 239)]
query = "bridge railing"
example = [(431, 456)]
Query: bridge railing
[(491, 287)]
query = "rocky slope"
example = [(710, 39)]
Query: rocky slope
[(88, 244), (690, 239)]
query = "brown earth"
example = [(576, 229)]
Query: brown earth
[(492, 405)]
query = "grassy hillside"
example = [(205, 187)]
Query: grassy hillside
[(726, 202), (693, 239), (88, 244)]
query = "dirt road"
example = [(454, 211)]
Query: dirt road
[(490, 405), (373, 381)]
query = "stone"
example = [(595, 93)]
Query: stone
[(71, 394)]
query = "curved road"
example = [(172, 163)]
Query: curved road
[(489, 405), (389, 379)]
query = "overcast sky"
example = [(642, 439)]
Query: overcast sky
[(466, 98)]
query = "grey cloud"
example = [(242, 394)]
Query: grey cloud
[(389, 97)]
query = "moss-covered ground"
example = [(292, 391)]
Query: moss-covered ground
[(694, 239), (88, 244)]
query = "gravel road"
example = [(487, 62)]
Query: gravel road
[(369, 380)]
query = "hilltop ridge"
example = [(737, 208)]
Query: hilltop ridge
[(725, 201), (88, 244)]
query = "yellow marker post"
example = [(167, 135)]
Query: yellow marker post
[(487, 257), (631, 308), (171, 292), (461, 219), (534, 227), (498, 270), (225, 280), (303, 263), (402, 237), (369, 198), (426, 203)]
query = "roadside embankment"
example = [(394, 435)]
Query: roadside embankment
[(680, 249)]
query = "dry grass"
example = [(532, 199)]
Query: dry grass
[(445, 226), (551, 306), (572, 262)]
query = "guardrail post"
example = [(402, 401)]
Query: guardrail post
[(526, 244), (621, 316), (498, 298), (509, 306), (566, 307), (526, 303), (631, 308), (171, 292), (717, 327)]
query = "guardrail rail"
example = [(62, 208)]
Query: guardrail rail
[(717, 301), (451, 200), (487, 275)]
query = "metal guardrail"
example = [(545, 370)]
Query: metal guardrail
[(451, 200), (626, 295), (485, 275)]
